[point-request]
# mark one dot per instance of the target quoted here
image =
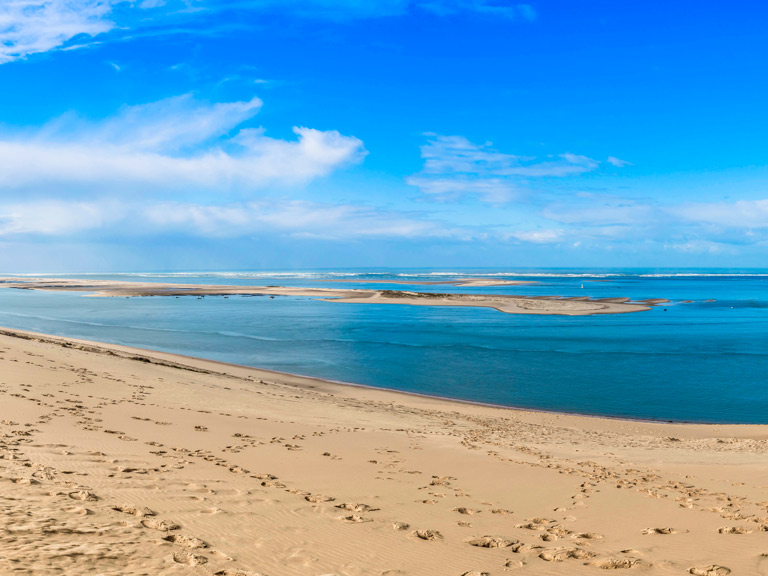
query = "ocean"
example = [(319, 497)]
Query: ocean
[(700, 361)]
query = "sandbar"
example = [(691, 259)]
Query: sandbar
[(510, 304), (485, 282)]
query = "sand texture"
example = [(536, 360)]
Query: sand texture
[(546, 305), (115, 461)]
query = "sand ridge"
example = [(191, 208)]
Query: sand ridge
[(119, 461)]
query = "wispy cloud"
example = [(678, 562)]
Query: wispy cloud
[(618, 162), (354, 9), (288, 218), (455, 167), (742, 214), (547, 236), (294, 218), (603, 210), (683, 226), (677, 228), (490, 7), (176, 144), (34, 26)]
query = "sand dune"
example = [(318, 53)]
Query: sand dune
[(118, 461)]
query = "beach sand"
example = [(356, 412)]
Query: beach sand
[(118, 461)]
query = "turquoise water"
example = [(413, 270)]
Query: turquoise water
[(700, 361)]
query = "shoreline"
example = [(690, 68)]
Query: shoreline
[(171, 359)]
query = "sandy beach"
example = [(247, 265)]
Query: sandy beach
[(120, 461)]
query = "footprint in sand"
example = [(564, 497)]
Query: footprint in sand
[(354, 507), (186, 541), (264, 476), (565, 554), (713, 570), (531, 526), (210, 511), (428, 535), (463, 510), (615, 563), (492, 542), (134, 511), (400, 525), (648, 531), (316, 498), (155, 524), (83, 495), (586, 536), (549, 537), (80, 511), (355, 519), (26, 481), (557, 530), (189, 559), (734, 530)]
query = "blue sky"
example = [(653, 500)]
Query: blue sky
[(244, 134)]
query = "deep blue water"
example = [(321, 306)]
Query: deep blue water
[(700, 361)]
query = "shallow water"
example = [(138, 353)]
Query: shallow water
[(700, 361)]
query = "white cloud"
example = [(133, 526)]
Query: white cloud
[(492, 190), (347, 9), (34, 26), (673, 228), (454, 166), (334, 9), (490, 7), (618, 162), (177, 144), (742, 214), (167, 125), (232, 220), (296, 218), (54, 218), (682, 227), (597, 211), (538, 236)]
